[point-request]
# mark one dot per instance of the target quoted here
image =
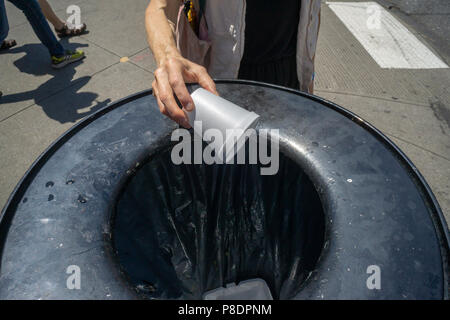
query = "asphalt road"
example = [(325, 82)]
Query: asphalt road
[(430, 18)]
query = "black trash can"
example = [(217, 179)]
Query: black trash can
[(106, 199)]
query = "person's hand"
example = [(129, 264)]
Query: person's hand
[(170, 79)]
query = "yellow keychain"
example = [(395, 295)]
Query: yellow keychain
[(191, 15)]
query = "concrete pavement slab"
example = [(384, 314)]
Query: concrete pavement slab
[(399, 119), (26, 135), (60, 6), (437, 83), (144, 59), (119, 28), (34, 77), (435, 170)]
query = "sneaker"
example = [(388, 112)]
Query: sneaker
[(68, 57)]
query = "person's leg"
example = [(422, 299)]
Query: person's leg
[(34, 14), (4, 29), (61, 27), (50, 15), (4, 26)]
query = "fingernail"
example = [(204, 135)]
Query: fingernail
[(190, 106)]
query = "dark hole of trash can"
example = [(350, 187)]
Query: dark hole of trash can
[(182, 230)]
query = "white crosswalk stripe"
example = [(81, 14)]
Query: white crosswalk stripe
[(387, 40)]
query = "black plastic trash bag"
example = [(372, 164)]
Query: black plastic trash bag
[(182, 230)]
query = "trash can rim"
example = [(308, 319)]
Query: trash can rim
[(16, 195)]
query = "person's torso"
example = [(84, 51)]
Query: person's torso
[(270, 30), (227, 28)]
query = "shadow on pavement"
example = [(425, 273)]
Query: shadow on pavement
[(67, 107)]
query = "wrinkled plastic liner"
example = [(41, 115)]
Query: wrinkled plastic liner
[(182, 230)]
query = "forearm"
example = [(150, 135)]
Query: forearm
[(160, 19), (173, 71)]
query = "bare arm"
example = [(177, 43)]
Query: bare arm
[(172, 69), (50, 14)]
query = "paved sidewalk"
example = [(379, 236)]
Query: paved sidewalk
[(412, 107)]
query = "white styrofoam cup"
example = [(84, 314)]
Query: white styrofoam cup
[(218, 113)]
